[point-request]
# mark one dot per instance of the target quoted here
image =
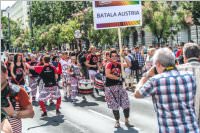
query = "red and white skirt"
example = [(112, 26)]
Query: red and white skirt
[(49, 93)]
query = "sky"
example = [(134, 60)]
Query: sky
[(6, 3)]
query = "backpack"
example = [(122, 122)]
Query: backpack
[(81, 59), (134, 63)]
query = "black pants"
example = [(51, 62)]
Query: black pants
[(117, 116)]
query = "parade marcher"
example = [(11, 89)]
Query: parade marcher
[(56, 63), (172, 92), (74, 72), (49, 76), (115, 95), (191, 54), (18, 70), (20, 101), (33, 78), (81, 60), (8, 65), (64, 61), (92, 63), (40, 81)]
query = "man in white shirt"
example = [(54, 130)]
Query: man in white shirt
[(128, 72)]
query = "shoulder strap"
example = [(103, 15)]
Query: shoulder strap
[(130, 57)]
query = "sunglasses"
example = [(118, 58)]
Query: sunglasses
[(114, 56)]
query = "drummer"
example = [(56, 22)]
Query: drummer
[(33, 78), (65, 76), (49, 76), (115, 95), (18, 70), (74, 72), (92, 62)]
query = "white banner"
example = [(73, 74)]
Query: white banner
[(115, 14)]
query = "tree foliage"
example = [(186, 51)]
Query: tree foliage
[(15, 30), (45, 12), (196, 12), (164, 19)]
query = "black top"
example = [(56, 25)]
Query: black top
[(18, 71), (48, 76), (115, 70)]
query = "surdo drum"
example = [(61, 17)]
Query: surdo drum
[(99, 82), (85, 87)]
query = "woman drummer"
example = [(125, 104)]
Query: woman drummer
[(74, 72), (115, 95), (18, 70)]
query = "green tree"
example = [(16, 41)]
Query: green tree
[(103, 37), (162, 17), (158, 17), (45, 12), (15, 30)]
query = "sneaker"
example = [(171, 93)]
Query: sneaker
[(128, 124), (117, 125), (73, 101), (84, 98), (58, 112), (44, 114), (65, 97)]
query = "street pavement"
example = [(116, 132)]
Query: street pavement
[(92, 116)]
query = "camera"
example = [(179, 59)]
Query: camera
[(9, 92)]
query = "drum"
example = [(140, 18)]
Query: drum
[(85, 86), (99, 82)]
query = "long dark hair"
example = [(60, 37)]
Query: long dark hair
[(15, 60)]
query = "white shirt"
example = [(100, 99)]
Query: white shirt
[(64, 64), (128, 70)]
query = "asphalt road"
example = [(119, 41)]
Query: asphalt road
[(92, 116)]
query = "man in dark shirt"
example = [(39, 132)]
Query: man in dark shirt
[(48, 74)]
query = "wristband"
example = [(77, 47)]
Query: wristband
[(15, 114)]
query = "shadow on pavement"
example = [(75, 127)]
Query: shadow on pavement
[(84, 103), (51, 121), (100, 98), (129, 130)]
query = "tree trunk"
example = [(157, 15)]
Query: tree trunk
[(158, 41)]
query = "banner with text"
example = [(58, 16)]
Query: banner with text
[(113, 14)]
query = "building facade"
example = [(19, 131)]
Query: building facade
[(19, 13)]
